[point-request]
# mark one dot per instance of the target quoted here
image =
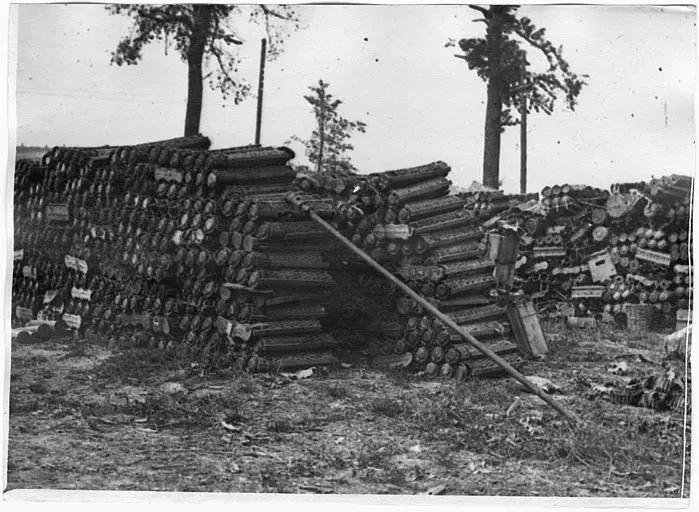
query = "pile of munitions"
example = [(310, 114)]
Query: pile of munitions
[(170, 245), (608, 253), (438, 244), (167, 244), (661, 391)]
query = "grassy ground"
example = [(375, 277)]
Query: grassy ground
[(85, 417)]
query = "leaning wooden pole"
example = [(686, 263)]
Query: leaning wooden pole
[(297, 200)]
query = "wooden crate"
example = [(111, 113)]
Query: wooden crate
[(504, 275), (508, 249), (525, 324), (494, 241)]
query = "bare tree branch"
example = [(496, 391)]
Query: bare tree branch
[(216, 52), (485, 12), (270, 12)]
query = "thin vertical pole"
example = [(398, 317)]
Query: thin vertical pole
[(260, 90), (523, 132), (523, 146)]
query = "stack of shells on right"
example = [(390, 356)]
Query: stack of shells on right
[(603, 253), (438, 243)]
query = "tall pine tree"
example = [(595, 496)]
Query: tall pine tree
[(500, 59), (205, 38)]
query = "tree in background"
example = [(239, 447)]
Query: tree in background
[(328, 148), (501, 61), (203, 35)]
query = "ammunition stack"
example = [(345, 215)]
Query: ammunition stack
[(436, 243), (608, 251), (168, 245), (174, 246)]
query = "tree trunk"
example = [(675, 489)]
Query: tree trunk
[(493, 111), (195, 58)]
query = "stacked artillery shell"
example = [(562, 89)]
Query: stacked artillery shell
[(286, 263), (612, 248), (71, 232), (170, 245), (435, 243), (174, 246)]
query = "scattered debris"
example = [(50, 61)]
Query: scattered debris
[(619, 368), (679, 343), (533, 423), (230, 427), (172, 388), (660, 391), (513, 406), (436, 490), (546, 385), (299, 375)]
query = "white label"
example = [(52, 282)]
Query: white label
[(81, 293), (29, 272), (397, 231), (70, 262), (57, 211), (81, 265), (73, 321), (19, 255)]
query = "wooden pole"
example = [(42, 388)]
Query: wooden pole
[(523, 146), (260, 89), (523, 132), (297, 200)]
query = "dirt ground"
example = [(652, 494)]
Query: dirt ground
[(83, 416)]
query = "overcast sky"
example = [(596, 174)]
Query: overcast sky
[(390, 67)]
